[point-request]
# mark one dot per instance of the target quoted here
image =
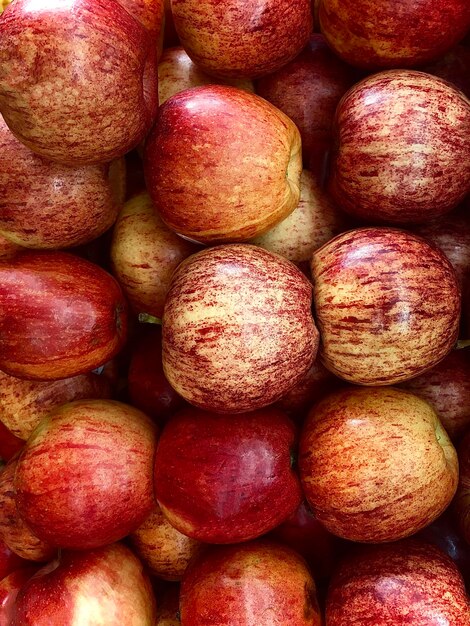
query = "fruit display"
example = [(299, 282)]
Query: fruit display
[(234, 313)]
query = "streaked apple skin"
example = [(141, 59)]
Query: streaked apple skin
[(10, 586), (102, 587), (60, 316), (409, 582), (150, 13), (402, 153), (387, 305), (238, 331), (462, 499), (400, 33), (261, 583), (88, 88), (9, 561), (96, 458), (376, 464), (234, 474), (212, 185), (242, 40)]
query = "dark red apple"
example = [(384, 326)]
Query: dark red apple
[(462, 499), (59, 316), (9, 560), (387, 305), (234, 474), (10, 586), (84, 478), (9, 444), (454, 67), (238, 330)]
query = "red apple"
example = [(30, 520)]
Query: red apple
[(402, 151), (59, 316), (84, 478), (376, 464), (144, 254), (105, 586), (150, 13), (454, 67), (404, 33), (404, 583), (462, 499), (8, 249), (88, 87), (257, 584), (9, 560), (387, 305), (9, 589), (247, 40), (9, 444), (238, 331), (3, 5), (234, 474)]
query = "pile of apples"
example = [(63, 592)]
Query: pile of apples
[(234, 311)]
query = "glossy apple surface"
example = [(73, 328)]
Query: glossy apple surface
[(9, 561), (150, 13), (387, 305), (462, 499), (59, 316), (215, 186), (238, 331), (96, 459), (376, 464), (9, 589)]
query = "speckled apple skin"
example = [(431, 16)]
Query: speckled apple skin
[(78, 79), (242, 39), (393, 33), (211, 184), (233, 473), (261, 583), (149, 13), (376, 464), (84, 477), (102, 587), (409, 582), (387, 305), (402, 152), (9, 589), (462, 499), (238, 330)]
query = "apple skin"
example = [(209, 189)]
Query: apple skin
[(453, 67), (102, 587), (232, 40), (68, 107), (401, 153), (9, 560), (238, 331), (462, 499), (150, 13), (60, 316), (10, 586), (386, 34), (387, 305), (177, 72), (9, 444), (214, 186), (3, 5), (96, 457), (261, 583), (144, 255), (376, 464), (8, 249)]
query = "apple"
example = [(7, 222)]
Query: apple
[(60, 316), (9, 589), (409, 582), (232, 40), (462, 499), (9, 560), (144, 255), (107, 585), (3, 5), (150, 13), (177, 72), (88, 88), (376, 464), (24, 403), (387, 305), (393, 34), (8, 249), (233, 473), (84, 477), (9, 444), (238, 330), (260, 583), (402, 153), (164, 550), (454, 67)]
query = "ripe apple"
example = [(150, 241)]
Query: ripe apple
[(59, 316), (238, 330), (233, 474), (260, 583), (454, 67), (393, 34), (3, 5), (402, 151), (150, 13), (409, 582), (9, 589), (144, 255), (9, 560), (9, 444), (8, 249), (84, 477), (107, 585), (462, 499), (207, 181), (242, 40), (387, 305), (376, 464), (87, 91)]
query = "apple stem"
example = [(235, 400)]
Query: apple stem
[(146, 318)]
